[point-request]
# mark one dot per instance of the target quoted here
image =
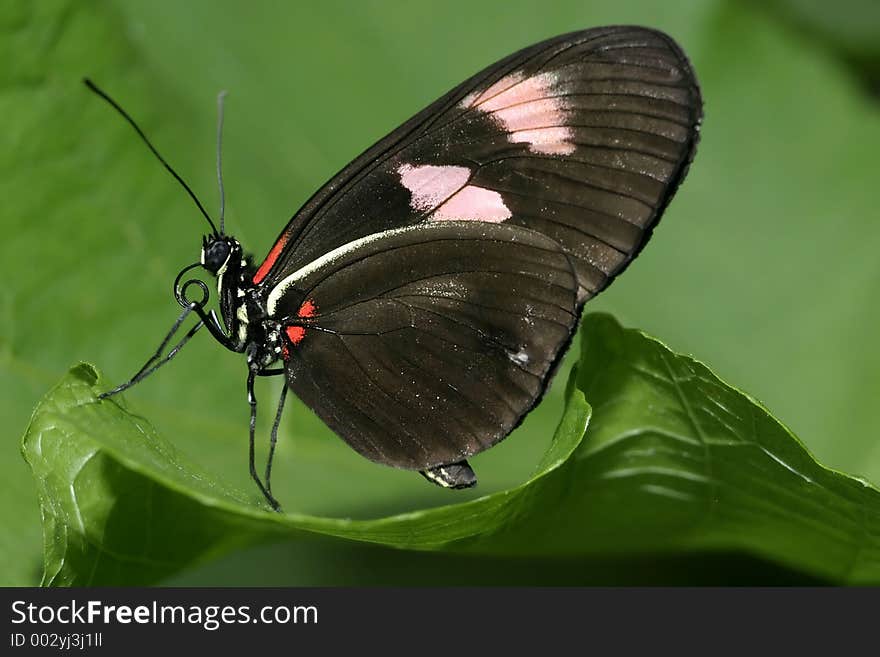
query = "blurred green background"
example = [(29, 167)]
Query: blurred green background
[(765, 266)]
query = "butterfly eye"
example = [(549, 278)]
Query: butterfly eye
[(215, 255)]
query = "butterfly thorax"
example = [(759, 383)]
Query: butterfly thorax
[(242, 307)]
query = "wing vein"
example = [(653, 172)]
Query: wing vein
[(393, 398)]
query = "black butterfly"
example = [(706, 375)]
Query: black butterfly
[(420, 301)]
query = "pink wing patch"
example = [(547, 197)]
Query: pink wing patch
[(430, 185), (475, 203), (529, 110), (444, 190)]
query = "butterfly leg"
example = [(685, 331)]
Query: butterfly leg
[(157, 360), (274, 438), (453, 475), (252, 400)]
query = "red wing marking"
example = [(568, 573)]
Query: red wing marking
[(271, 258), (295, 333), (308, 309)]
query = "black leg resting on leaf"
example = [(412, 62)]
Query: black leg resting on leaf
[(274, 437), (156, 360), (252, 400)]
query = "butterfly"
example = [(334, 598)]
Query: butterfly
[(421, 300)]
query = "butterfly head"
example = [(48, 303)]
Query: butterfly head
[(217, 251)]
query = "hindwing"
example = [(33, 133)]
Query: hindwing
[(423, 345)]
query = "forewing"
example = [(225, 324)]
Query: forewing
[(424, 345), (583, 137)]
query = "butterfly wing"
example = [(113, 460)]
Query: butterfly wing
[(584, 138), (430, 288), (423, 345)]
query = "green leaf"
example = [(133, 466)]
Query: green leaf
[(675, 461), (121, 506)]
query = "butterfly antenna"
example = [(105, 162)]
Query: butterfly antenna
[(220, 98), (124, 114)]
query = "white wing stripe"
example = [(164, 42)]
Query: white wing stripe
[(291, 280)]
